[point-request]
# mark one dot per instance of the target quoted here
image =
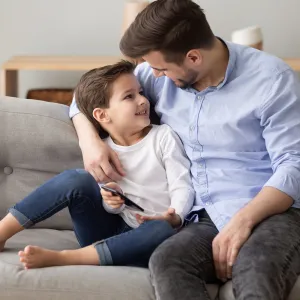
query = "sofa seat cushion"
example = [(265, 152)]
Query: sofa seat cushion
[(69, 282)]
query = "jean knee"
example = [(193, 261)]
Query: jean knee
[(79, 180), (162, 229)]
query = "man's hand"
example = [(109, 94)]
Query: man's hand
[(169, 216), (109, 198), (227, 245), (101, 161)]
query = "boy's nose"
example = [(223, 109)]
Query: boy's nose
[(142, 100)]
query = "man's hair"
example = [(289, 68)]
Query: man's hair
[(172, 27), (94, 88)]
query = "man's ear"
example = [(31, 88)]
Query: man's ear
[(101, 115), (194, 56)]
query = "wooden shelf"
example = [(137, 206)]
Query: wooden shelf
[(80, 63), (58, 63)]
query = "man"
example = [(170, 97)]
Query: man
[(237, 112)]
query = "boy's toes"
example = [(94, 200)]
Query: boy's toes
[(23, 259), (29, 250)]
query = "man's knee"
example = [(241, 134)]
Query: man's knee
[(265, 265), (167, 255)]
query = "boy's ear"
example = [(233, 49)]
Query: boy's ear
[(101, 115)]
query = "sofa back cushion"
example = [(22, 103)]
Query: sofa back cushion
[(37, 141)]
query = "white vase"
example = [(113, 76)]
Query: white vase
[(249, 36)]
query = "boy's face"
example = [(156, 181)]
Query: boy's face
[(128, 108)]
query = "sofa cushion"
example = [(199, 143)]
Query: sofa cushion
[(70, 282), (38, 141)]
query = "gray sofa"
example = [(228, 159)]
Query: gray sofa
[(37, 141)]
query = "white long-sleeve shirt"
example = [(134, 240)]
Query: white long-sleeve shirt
[(157, 175)]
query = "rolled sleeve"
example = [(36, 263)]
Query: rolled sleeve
[(73, 111), (280, 118)]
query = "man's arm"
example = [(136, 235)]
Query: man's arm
[(280, 119)]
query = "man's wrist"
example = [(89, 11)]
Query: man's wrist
[(245, 217)]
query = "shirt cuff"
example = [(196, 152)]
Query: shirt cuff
[(287, 180)]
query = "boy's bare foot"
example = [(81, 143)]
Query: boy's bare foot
[(37, 257)]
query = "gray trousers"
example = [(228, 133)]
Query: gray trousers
[(266, 267)]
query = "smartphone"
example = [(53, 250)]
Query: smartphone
[(127, 201)]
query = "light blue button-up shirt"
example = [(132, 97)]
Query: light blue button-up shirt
[(240, 136)]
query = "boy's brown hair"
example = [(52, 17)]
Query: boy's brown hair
[(173, 27), (94, 88)]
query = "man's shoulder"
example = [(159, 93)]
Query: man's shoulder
[(143, 69), (152, 85), (145, 74), (255, 60)]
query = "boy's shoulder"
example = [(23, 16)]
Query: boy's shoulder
[(163, 129), (163, 132)]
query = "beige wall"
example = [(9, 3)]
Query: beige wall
[(92, 27)]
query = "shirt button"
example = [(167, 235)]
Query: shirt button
[(192, 127), (208, 203), (199, 97)]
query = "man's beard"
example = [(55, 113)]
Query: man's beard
[(190, 79)]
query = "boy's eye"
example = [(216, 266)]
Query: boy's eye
[(129, 96), (142, 93)]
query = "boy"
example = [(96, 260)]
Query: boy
[(157, 179)]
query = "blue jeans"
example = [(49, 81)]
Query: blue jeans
[(115, 242)]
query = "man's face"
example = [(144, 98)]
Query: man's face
[(182, 75)]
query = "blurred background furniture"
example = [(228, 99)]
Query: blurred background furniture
[(249, 36)]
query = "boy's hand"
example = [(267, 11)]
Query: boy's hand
[(109, 198), (169, 216)]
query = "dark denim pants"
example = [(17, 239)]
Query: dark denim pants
[(115, 242), (266, 268)]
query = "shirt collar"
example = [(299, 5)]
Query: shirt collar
[(231, 62), (229, 69)]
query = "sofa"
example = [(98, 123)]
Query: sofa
[(38, 141)]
